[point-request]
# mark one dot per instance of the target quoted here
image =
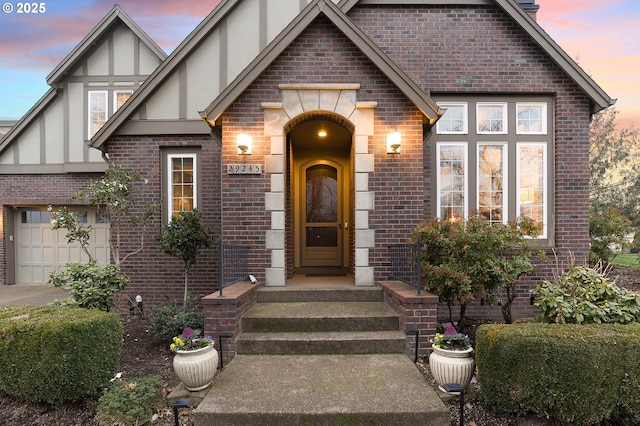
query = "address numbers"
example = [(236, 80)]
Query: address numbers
[(244, 169)]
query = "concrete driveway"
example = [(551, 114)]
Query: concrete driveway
[(30, 294)]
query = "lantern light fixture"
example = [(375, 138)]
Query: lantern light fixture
[(394, 142), (244, 144)]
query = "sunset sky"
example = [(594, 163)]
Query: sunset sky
[(602, 36)]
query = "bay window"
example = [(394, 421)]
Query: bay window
[(492, 158)]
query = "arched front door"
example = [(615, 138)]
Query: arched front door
[(322, 213)]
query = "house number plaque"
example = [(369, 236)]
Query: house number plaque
[(244, 169)]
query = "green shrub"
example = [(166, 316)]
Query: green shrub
[(583, 374), (55, 354), (168, 321), (584, 295), (90, 285), (474, 258), (131, 402)]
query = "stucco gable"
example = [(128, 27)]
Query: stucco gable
[(51, 138), (81, 50)]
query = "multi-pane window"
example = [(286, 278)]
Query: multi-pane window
[(97, 110), (531, 178), (182, 183), (491, 118), (496, 163), (452, 181), (454, 121), (531, 118), (492, 185)]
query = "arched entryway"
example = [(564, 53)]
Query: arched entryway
[(320, 176), (302, 105)]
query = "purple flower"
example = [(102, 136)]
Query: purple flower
[(187, 332), (450, 330)]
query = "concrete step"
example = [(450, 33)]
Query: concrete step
[(337, 293), (321, 390), (319, 316), (317, 343)]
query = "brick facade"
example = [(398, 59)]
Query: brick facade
[(445, 50)]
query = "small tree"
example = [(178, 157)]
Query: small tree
[(607, 232), (465, 260), (114, 197), (183, 238), (614, 166)]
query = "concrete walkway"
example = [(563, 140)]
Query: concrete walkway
[(30, 294), (385, 389)]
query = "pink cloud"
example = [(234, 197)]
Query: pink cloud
[(41, 43)]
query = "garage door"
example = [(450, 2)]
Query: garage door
[(41, 250)]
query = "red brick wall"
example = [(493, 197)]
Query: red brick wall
[(155, 275), (398, 179), (478, 49), (468, 49)]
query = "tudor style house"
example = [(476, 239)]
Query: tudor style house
[(316, 132)]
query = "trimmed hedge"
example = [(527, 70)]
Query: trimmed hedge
[(55, 354), (574, 373)]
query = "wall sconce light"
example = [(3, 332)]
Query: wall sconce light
[(394, 142), (244, 144)]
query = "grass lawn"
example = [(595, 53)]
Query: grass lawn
[(627, 259)]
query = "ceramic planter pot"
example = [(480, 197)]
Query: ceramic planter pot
[(449, 366), (196, 368)]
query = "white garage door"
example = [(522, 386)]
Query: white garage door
[(41, 250)]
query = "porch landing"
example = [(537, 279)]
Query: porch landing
[(378, 389)]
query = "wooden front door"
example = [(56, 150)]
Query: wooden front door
[(321, 214)]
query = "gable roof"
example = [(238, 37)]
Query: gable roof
[(325, 7), (513, 8), (337, 15), (68, 63), (26, 119), (98, 31), (163, 71)]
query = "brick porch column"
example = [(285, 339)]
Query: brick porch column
[(223, 314), (416, 313)]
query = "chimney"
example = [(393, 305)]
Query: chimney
[(530, 7)]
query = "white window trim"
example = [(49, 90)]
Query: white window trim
[(545, 174), (505, 117), (466, 177), (170, 157), (90, 102), (465, 118), (505, 177), (543, 117), (115, 97)]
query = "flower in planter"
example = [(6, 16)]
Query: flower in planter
[(189, 340), (451, 340)]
